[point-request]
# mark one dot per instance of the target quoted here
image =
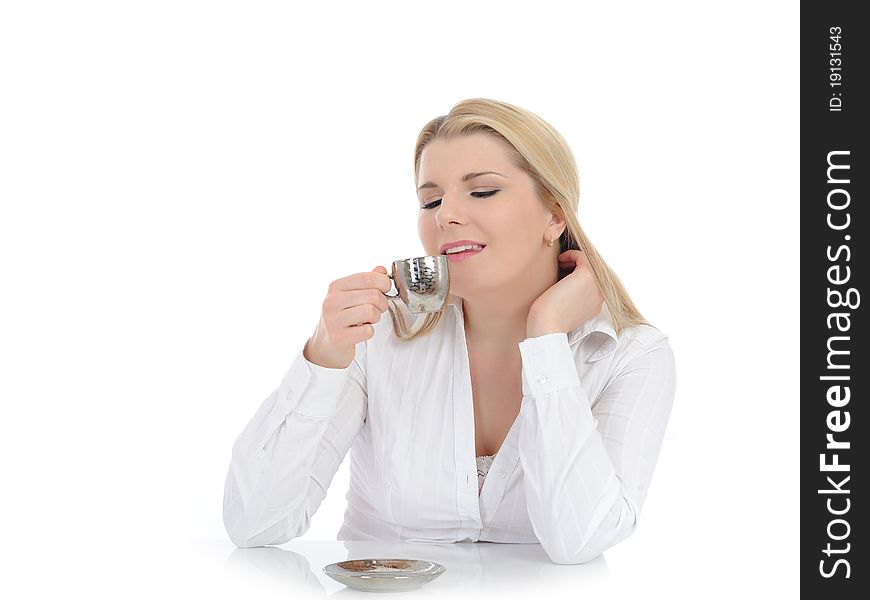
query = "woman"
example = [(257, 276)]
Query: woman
[(531, 409)]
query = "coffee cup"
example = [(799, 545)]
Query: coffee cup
[(422, 283)]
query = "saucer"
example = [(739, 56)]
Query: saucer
[(384, 574)]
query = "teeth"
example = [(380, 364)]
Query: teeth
[(456, 249)]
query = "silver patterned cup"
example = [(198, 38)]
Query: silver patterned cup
[(422, 283)]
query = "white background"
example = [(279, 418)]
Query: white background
[(180, 182)]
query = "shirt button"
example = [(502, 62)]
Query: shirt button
[(542, 379), (501, 474)]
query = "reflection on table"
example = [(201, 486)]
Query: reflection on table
[(473, 569)]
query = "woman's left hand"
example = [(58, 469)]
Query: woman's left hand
[(570, 302)]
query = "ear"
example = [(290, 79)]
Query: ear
[(558, 220)]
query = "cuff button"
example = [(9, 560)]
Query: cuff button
[(542, 379)]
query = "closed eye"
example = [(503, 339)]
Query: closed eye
[(435, 203)]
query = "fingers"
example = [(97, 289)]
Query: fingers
[(346, 325), (352, 303), (351, 307), (355, 335), (346, 337), (360, 297), (364, 314), (361, 281), (571, 256)]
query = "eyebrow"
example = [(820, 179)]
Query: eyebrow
[(465, 177)]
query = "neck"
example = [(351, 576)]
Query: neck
[(497, 316)]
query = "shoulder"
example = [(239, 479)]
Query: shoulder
[(642, 336), (644, 343)]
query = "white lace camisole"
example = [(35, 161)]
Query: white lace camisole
[(483, 465)]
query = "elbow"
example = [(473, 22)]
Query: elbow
[(249, 525), (239, 533), (241, 540), (583, 555), (252, 543), (245, 533), (588, 551), (273, 536), (579, 559), (618, 524)]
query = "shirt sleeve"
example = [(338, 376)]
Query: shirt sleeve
[(285, 458), (588, 462)]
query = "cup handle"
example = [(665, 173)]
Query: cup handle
[(389, 295)]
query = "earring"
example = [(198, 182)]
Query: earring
[(552, 241)]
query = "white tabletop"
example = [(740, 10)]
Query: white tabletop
[(474, 570)]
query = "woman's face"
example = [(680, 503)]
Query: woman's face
[(500, 210)]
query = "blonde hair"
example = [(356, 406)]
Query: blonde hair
[(540, 151)]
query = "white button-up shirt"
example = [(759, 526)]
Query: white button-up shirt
[(571, 474)]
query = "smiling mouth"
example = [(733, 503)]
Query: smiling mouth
[(456, 257), (446, 253)]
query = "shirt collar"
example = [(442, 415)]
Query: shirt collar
[(602, 322)]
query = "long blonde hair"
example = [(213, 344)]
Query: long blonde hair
[(539, 150)]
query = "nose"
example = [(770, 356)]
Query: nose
[(448, 212)]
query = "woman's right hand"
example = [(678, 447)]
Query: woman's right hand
[(351, 307)]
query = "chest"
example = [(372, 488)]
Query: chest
[(497, 391)]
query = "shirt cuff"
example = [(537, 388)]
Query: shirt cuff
[(319, 389), (548, 364)]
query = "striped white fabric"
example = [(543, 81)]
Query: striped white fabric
[(572, 473)]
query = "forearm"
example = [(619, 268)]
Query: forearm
[(266, 490), (588, 462), (285, 458), (575, 499)]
